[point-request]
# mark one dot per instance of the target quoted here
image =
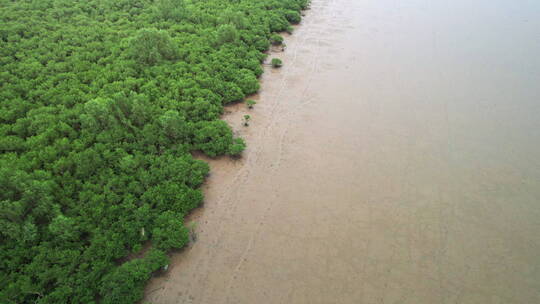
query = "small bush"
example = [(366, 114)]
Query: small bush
[(276, 39), (276, 62), (293, 17), (250, 103), (278, 22), (289, 29), (304, 4), (237, 147)]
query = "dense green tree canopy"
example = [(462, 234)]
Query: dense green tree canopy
[(101, 104)]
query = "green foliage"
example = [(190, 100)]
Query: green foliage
[(303, 4), (175, 126), (169, 231), (278, 22), (125, 283), (101, 105), (64, 228), (289, 29), (213, 137), (237, 147), (293, 16), (276, 62), (174, 10), (226, 33), (151, 46), (247, 82), (246, 120), (250, 103), (276, 39)]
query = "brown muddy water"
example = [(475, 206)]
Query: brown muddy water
[(395, 158)]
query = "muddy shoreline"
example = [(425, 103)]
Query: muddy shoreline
[(227, 173)]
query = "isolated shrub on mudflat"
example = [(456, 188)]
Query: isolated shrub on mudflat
[(276, 62)]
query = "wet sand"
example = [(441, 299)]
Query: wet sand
[(395, 158)]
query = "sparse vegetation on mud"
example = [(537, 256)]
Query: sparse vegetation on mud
[(276, 62)]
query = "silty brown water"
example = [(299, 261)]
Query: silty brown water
[(393, 159)]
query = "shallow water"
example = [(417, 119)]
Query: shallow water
[(395, 158)]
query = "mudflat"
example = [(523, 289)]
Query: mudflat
[(394, 158)]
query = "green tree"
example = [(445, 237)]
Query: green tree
[(174, 10), (226, 33), (151, 46), (237, 147)]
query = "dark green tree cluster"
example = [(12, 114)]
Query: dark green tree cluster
[(102, 103)]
